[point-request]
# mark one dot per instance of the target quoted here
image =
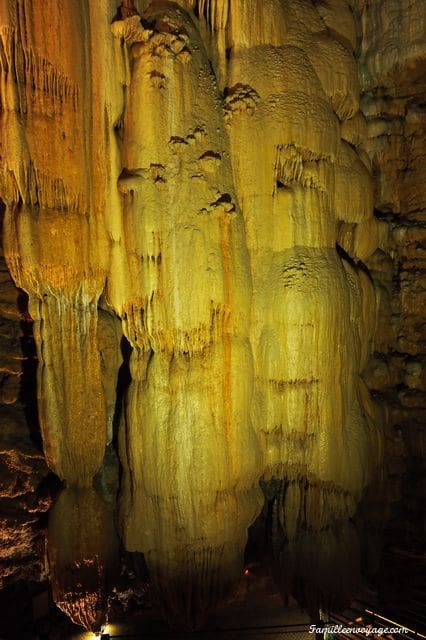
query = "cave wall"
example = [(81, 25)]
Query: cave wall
[(392, 65), (235, 190), (23, 468)]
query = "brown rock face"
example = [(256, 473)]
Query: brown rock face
[(394, 88), (195, 178), (22, 466)]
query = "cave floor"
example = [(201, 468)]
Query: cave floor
[(257, 611), (253, 614)]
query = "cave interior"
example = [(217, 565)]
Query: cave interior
[(212, 318)]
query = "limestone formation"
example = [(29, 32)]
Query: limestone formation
[(194, 179), (82, 556)]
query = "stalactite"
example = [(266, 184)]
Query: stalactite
[(58, 173), (194, 176)]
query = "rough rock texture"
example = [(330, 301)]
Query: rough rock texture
[(295, 178), (61, 199), (394, 91), (207, 198), (82, 554), (22, 466), (190, 335)]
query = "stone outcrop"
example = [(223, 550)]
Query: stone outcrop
[(22, 466), (394, 88)]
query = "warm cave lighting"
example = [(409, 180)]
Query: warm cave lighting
[(103, 635), (211, 356)]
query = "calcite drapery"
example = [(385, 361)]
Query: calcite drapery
[(189, 334), (56, 182), (313, 415), (204, 166), (57, 192)]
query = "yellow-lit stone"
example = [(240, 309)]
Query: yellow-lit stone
[(82, 556), (190, 174)]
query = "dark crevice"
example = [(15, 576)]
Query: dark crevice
[(196, 11), (344, 255), (107, 481), (123, 381), (281, 186), (356, 264), (28, 388)]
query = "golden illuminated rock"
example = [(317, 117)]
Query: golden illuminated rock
[(188, 169), (82, 556), (185, 306), (57, 160)]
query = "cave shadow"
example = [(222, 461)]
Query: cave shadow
[(28, 386), (27, 397), (124, 379)]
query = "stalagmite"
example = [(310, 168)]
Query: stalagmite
[(205, 188), (189, 494), (57, 148), (82, 556), (310, 407)]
